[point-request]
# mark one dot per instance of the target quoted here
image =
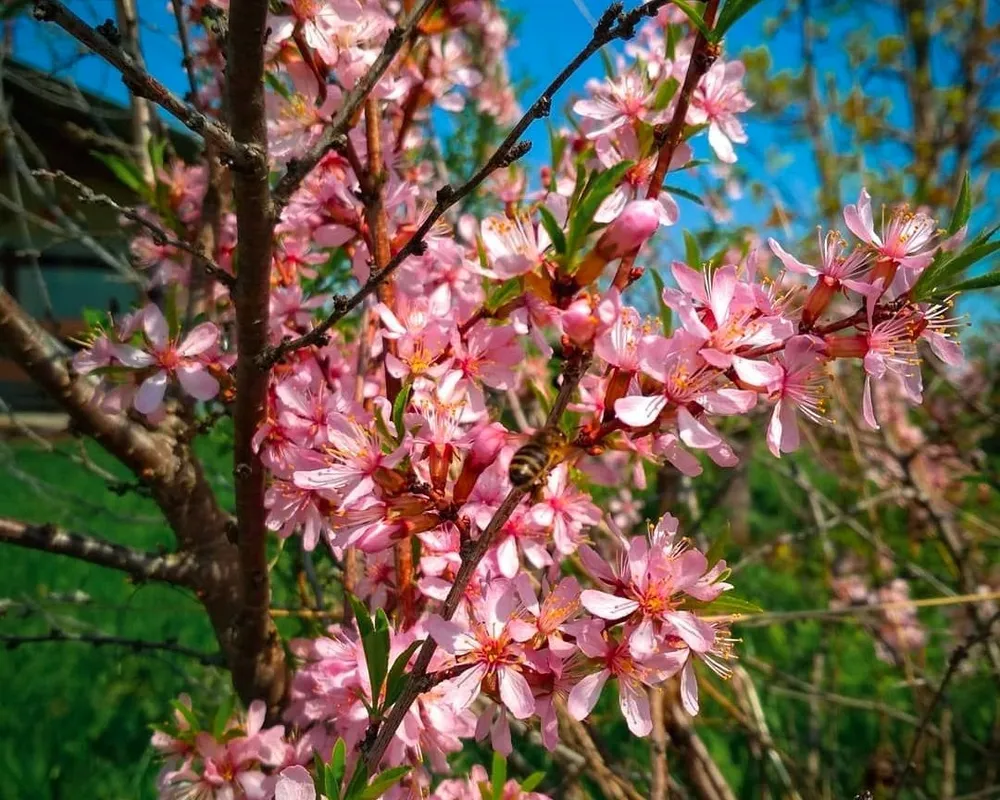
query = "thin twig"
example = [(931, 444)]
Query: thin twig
[(12, 642), (243, 156), (175, 569), (957, 657), (613, 25), (352, 102), (160, 236)]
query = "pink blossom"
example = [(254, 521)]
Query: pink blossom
[(630, 229), (617, 660), (615, 103), (717, 100), (799, 388), (908, 239), (652, 583), (166, 358), (487, 647)]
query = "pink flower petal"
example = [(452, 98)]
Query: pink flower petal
[(294, 783), (639, 410), (607, 606), (200, 339), (634, 703), (697, 634), (197, 381), (689, 689), (516, 693), (585, 694), (150, 394)]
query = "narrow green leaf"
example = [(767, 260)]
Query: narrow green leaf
[(503, 293), (732, 12), (397, 673), (358, 782), (399, 407), (188, 713), (692, 252), (498, 775), (338, 766), (361, 616), (666, 315), (695, 18), (728, 603), (597, 192), (987, 281), (381, 782), (963, 207), (126, 171), (685, 194), (553, 229), (532, 782), (952, 270), (377, 657), (484, 791), (222, 715)]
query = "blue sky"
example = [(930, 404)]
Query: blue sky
[(549, 35)]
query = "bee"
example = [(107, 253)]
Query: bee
[(532, 462)]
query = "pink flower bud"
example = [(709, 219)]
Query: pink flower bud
[(637, 222), (487, 445)]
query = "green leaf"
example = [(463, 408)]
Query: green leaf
[(963, 207), (685, 194), (692, 252), (397, 673), (498, 775), (532, 781), (484, 791), (505, 292), (731, 13), (399, 406), (222, 715), (665, 93), (188, 713), (361, 616), (987, 281), (695, 18), (382, 782), (553, 229), (597, 192), (944, 276), (336, 769), (358, 781), (728, 603), (376, 647), (666, 315), (126, 171)]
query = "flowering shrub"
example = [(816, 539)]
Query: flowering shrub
[(401, 441)]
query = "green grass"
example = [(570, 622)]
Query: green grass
[(74, 719)]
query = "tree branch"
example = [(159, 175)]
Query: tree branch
[(158, 234), (175, 568), (244, 156), (614, 24), (11, 642), (961, 653), (352, 102), (259, 670), (703, 55)]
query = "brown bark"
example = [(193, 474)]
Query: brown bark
[(163, 463), (260, 670)]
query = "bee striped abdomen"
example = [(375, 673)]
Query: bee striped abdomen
[(534, 459), (528, 464)]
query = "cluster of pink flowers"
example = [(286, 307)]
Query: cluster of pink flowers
[(388, 441), (897, 628), (140, 358)]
